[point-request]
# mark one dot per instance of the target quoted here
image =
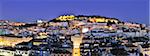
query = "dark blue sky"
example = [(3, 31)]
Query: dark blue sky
[(30, 10)]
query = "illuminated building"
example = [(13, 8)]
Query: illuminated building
[(102, 20), (76, 45), (66, 18), (12, 41), (144, 49), (58, 24), (131, 25), (77, 40), (42, 35), (39, 41), (8, 51), (16, 24)]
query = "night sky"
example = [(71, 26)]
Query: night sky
[(31, 10)]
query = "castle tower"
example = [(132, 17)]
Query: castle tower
[(77, 40), (76, 45)]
